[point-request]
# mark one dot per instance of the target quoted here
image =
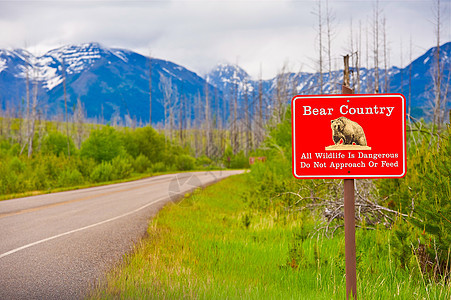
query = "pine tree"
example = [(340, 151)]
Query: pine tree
[(434, 203)]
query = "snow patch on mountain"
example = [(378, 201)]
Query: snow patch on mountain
[(171, 73), (76, 58), (52, 79), (48, 68), (230, 78), (3, 65), (120, 54)]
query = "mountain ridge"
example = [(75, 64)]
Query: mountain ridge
[(108, 81), (308, 82), (114, 83)]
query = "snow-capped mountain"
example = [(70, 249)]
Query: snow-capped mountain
[(108, 82), (421, 74), (228, 78), (114, 83)]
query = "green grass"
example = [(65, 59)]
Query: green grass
[(133, 177), (77, 187), (211, 245)]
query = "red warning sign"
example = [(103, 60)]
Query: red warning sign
[(349, 136)]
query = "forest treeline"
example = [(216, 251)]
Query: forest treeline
[(100, 153)]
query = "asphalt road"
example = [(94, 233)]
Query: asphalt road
[(57, 246)]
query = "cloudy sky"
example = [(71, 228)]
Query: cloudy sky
[(198, 34)]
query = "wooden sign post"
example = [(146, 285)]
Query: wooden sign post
[(349, 216), (347, 137), (349, 212)]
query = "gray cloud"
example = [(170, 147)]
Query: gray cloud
[(199, 34)]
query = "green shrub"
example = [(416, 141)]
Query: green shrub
[(85, 165), (159, 167), (235, 161), (103, 172), (227, 157), (16, 165), (53, 165), (102, 145), (145, 141), (5, 146), (14, 150), (39, 178), (70, 178), (185, 162), (56, 143), (8, 183), (239, 161), (203, 161), (122, 168), (141, 164)]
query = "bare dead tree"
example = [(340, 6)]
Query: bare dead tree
[(259, 122), (330, 20), (409, 98), (166, 88), (358, 57), (218, 125), (224, 110), (33, 115), (352, 51), (150, 89), (401, 71), (410, 82), (355, 42), (438, 76), (318, 13), (41, 129), (376, 13), (346, 71), (7, 118), (27, 108), (234, 113), (2, 118), (281, 94), (367, 48), (246, 125), (198, 121), (182, 113), (27, 89), (386, 55), (188, 113), (63, 70), (79, 120), (172, 109), (207, 121)]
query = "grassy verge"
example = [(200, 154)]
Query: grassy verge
[(77, 187), (133, 177), (211, 245)]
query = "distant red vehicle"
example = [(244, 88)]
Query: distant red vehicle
[(254, 159)]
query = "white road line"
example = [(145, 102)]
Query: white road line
[(80, 229)]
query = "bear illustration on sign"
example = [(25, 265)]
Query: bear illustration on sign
[(350, 132)]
